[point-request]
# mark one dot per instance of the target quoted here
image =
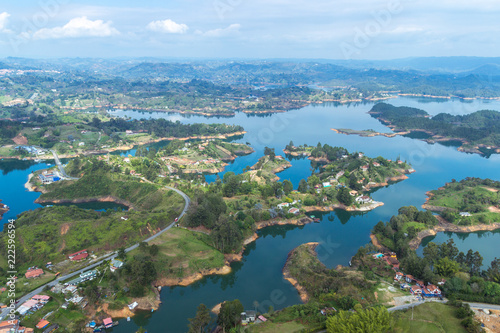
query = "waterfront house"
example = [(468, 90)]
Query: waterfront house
[(34, 273), (248, 316), (294, 211), (108, 322), (363, 199)]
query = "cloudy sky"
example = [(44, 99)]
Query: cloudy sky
[(332, 29)]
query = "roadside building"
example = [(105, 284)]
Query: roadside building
[(34, 273), (80, 255)]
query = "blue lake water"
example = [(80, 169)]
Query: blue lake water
[(257, 280)]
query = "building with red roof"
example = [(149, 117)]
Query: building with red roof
[(33, 273), (108, 322), (80, 255)]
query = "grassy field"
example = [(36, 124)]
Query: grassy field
[(268, 327), (481, 201), (183, 253), (429, 318)]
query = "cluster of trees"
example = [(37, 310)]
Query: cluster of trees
[(376, 320), (395, 234), (478, 127)]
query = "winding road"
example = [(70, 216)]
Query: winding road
[(110, 256)]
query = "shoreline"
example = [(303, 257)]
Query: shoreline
[(304, 296), (332, 207), (126, 147), (3, 209), (445, 226)]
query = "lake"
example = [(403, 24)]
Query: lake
[(257, 281)]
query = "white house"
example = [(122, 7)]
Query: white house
[(363, 199)]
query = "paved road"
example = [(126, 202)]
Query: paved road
[(108, 257), (61, 168)]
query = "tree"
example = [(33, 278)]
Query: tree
[(153, 250), (343, 196), (446, 267), (302, 186), (313, 180), (201, 320), (121, 253), (431, 252), (373, 320), (493, 272), (230, 314), (287, 186)]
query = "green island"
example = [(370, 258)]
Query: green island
[(478, 132), (345, 178), (83, 133), (471, 201)]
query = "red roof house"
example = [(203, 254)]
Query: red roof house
[(108, 322), (34, 273), (78, 255)]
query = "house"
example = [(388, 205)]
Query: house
[(26, 306), (409, 278), (108, 322), (248, 316), (400, 162), (415, 290), (76, 299), (364, 168), (363, 199), (420, 283), (339, 174), (42, 324), (353, 193), (81, 144), (294, 211), (69, 289), (361, 155), (34, 273), (431, 291), (465, 214), (392, 261), (129, 132), (9, 326), (41, 298), (377, 255), (327, 184), (398, 276), (376, 164), (283, 205), (116, 264), (327, 311), (80, 255)]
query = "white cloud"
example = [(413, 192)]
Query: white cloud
[(168, 26), (4, 17), (78, 27), (233, 28)]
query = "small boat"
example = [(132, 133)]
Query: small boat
[(128, 318)]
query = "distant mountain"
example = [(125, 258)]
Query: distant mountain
[(488, 70)]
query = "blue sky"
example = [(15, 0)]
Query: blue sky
[(334, 29)]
